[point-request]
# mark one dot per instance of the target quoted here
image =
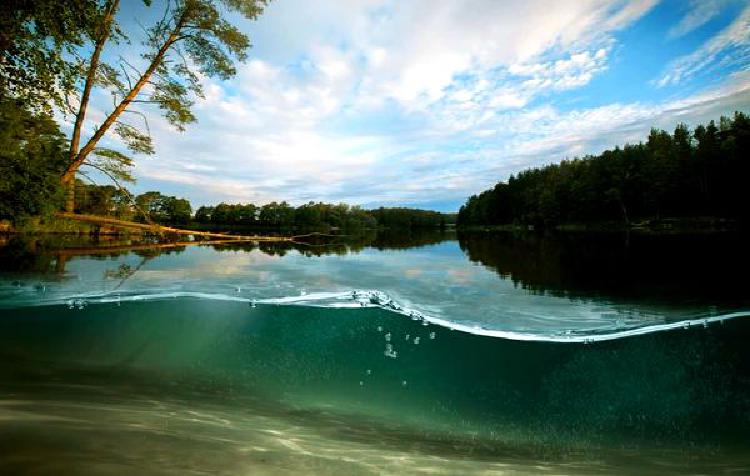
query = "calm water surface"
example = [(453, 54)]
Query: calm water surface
[(477, 353)]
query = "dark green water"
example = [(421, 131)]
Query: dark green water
[(264, 361)]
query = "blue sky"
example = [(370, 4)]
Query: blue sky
[(423, 103)]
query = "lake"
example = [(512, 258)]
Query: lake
[(491, 353)]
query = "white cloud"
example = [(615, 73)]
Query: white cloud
[(731, 45), (699, 13)]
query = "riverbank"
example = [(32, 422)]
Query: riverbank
[(649, 226)]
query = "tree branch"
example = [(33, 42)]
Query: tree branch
[(101, 130)]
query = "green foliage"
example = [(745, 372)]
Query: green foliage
[(108, 200), (32, 157), (320, 216), (677, 175), (163, 208), (112, 163), (104, 200), (410, 218), (38, 41)]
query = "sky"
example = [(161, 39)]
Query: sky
[(423, 103)]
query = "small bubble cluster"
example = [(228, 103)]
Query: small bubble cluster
[(76, 304)]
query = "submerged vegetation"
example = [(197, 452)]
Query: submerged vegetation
[(687, 174)]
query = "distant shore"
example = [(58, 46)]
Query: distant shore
[(651, 226)]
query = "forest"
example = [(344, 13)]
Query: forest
[(687, 174), (153, 206)]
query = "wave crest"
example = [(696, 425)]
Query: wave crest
[(357, 299)]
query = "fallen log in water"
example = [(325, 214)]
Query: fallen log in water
[(165, 230)]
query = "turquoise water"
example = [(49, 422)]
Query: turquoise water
[(489, 354)]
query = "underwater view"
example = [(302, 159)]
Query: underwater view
[(482, 353)]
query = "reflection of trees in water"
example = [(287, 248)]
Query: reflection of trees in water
[(345, 244), (639, 266), (49, 254)]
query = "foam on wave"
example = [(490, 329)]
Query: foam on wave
[(379, 299)]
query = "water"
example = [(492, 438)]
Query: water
[(487, 354)]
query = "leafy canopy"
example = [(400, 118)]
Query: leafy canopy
[(32, 156)]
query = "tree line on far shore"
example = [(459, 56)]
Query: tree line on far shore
[(687, 174), (108, 200)]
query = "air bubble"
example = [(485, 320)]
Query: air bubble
[(390, 353), (432, 335), (361, 383), (369, 372), (380, 328), (407, 337), (416, 340), (403, 383), (388, 337)]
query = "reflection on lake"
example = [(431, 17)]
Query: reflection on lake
[(524, 283)]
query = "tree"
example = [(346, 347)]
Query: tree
[(203, 214), (163, 208), (177, 210), (192, 38), (39, 66), (681, 175), (32, 156)]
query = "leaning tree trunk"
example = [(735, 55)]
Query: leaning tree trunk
[(68, 178), (70, 196)]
